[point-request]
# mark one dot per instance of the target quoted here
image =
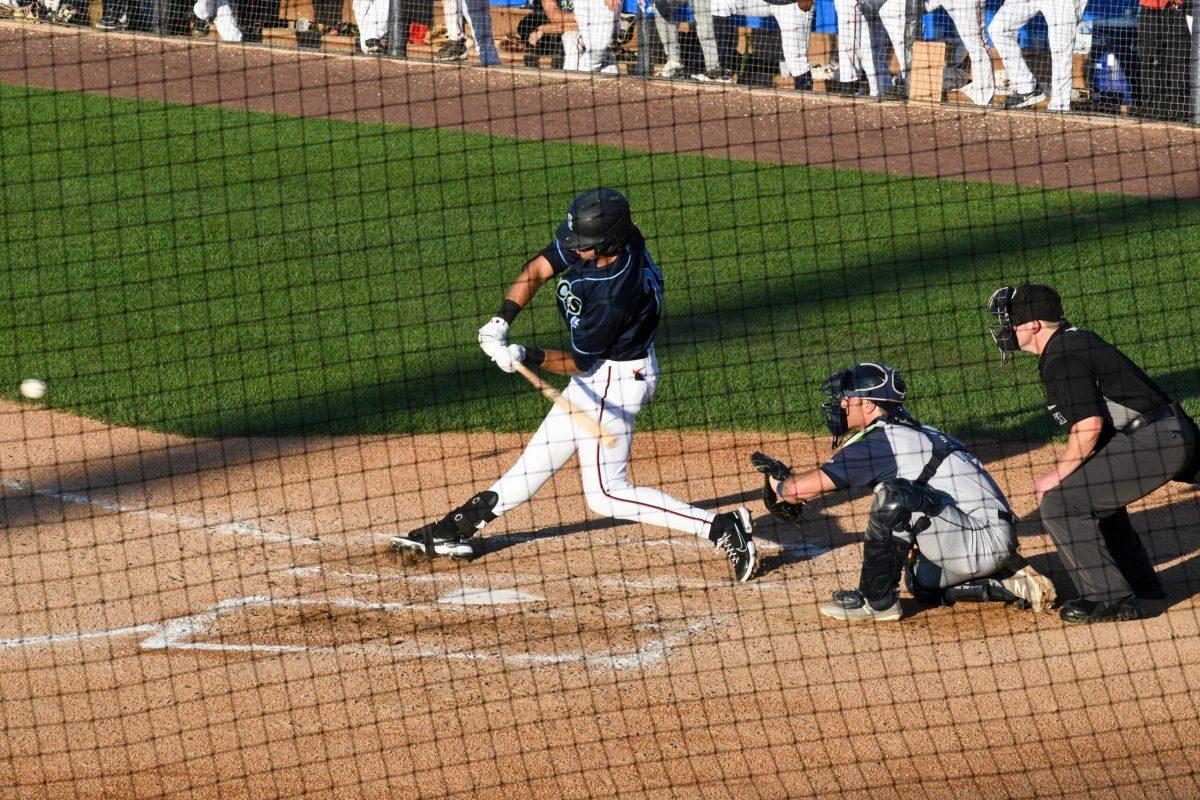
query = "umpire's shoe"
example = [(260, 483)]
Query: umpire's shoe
[(850, 605), (1088, 611), (450, 536), (730, 533)]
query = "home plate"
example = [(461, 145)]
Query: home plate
[(489, 597)]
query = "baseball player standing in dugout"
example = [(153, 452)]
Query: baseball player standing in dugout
[(609, 293), (929, 492), (1127, 438)]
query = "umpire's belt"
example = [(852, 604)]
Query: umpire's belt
[(1151, 417)]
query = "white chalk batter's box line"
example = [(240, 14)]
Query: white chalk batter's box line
[(181, 634), (804, 550)]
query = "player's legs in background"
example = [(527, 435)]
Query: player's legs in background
[(794, 27), (891, 14), (968, 18), (596, 24), (479, 14), (371, 16), (702, 11), (1062, 22), (848, 18), (452, 11), (552, 445), (621, 394), (225, 22), (668, 34), (873, 49), (725, 32), (1004, 29)]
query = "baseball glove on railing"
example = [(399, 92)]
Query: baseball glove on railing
[(773, 468)]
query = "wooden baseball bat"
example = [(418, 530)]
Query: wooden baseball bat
[(581, 418)]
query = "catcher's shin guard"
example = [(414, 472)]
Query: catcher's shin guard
[(889, 537)]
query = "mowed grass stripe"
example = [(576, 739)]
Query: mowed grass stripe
[(216, 272)]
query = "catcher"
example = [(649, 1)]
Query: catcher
[(933, 499)]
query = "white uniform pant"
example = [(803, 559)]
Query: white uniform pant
[(221, 14), (858, 54), (597, 22), (1062, 20), (371, 16), (794, 27), (614, 394), (454, 10), (877, 19), (969, 21)]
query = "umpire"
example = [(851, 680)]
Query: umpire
[(1127, 438)]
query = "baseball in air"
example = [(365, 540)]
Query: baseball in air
[(33, 388)]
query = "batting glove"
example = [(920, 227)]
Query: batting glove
[(493, 336), (509, 356)]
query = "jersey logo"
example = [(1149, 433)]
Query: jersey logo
[(571, 304), (1059, 418)]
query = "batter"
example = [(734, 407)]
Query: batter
[(610, 295)]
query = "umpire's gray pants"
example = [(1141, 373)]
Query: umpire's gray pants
[(957, 547), (1123, 471), (664, 22)]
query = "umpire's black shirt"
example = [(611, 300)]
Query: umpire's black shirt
[(1085, 376)]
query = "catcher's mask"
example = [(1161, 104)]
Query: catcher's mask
[(875, 382), (1000, 307)]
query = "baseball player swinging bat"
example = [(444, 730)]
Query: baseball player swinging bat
[(577, 415)]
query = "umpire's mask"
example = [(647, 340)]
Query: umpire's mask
[(1000, 307)]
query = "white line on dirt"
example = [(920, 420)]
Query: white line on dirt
[(180, 634)]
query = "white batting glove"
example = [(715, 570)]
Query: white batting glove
[(493, 336), (509, 356)]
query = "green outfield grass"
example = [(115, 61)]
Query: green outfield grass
[(216, 272)]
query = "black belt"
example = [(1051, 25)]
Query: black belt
[(1151, 417)]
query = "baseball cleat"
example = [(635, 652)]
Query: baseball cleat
[(733, 530), (850, 605), (714, 75), (672, 69), (1028, 585), (453, 50), (803, 83), (426, 538), (1026, 99), (1089, 611)]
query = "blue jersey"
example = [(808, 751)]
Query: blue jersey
[(611, 312)]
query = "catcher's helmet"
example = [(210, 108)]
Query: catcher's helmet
[(599, 220), (878, 383)]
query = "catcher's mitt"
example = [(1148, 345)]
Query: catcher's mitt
[(774, 468)]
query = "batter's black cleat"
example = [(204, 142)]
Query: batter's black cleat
[(731, 534), (450, 536), (1088, 611), (803, 83)]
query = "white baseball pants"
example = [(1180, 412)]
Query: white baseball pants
[(1062, 20), (969, 21), (613, 393), (221, 14), (453, 11), (596, 25), (371, 16), (872, 51), (794, 27)]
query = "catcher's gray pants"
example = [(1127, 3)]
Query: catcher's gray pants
[(664, 22), (957, 547), (1125, 470)]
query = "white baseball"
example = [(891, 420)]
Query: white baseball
[(33, 388)]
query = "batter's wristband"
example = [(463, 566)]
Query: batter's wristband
[(534, 356), (508, 311)]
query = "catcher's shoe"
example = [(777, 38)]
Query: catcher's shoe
[(731, 534), (850, 605), (449, 535), (1030, 586)]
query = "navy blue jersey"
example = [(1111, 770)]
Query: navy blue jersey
[(611, 312)]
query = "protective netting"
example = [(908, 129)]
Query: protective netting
[(355, 445)]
